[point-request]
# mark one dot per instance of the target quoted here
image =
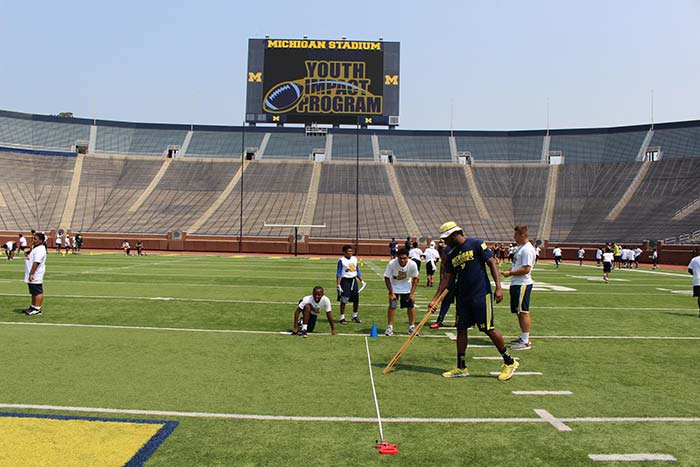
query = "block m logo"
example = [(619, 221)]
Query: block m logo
[(255, 77), (391, 80)]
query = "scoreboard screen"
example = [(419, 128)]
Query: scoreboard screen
[(323, 81)]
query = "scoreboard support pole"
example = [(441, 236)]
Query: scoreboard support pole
[(296, 231)]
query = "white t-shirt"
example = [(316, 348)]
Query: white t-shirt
[(431, 254), (581, 253), (598, 253), (401, 278), (58, 240), (608, 257), (524, 256), (695, 266), (557, 252), (537, 250), (67, 243), (38, 255), (316, 307), (415, 253), (22, 243), (8, 245), (637, 253), (347, 267)]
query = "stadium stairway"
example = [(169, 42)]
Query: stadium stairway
[(152, 186), (406, 213), (219, 201), (67, 218), (631, 190), (545, 228), (311, 199), (476, 196)]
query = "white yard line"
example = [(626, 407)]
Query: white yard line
[(555, 422), (543, 416), (631, 457)]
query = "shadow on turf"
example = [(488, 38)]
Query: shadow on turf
[(688, 315), (421, 369)]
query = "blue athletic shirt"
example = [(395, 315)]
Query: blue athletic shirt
[(467, 263)]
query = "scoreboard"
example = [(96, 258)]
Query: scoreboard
[(323, 81)]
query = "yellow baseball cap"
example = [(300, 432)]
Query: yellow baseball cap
[(448, 228)]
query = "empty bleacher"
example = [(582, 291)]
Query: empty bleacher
[(417, 146), (501, 146), (222, 143), (295, 145), (677, 141), (352, 146), (336, 203), (35, 190), (137, 140), (41, 132), (273, 192), (599, 146)]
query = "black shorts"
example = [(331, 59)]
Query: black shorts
[(696, 291), (617, 258), (475, 310), (312, 319), (520, 298), (36, 289), (418, 262), (429, 268), (607, 267), (557, 259), (404, 300), (350, 286)]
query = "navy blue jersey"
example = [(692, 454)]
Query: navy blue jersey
[(468, 263)]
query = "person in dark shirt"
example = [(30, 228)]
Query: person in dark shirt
[(467, 262)]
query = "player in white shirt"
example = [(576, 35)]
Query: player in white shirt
[(624, 256), (521, 285), (308, 310), (694, 269), (22, 243), (34, 268), (608, 259), (66, 244), (432, 257), (537, 256), (58, 244), (401, 280), (598, 256), (557, 255), (347, 276), (581, 254), (637, 254), (126, 247), (415, 254), (10, 248)]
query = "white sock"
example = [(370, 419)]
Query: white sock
[(304, 327), (354, 315), (342, 317), (390, 327), (525, 336)]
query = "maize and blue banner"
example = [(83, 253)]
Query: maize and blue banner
[(323, 81)]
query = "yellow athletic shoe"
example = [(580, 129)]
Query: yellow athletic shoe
[(456, 373), (508, 370)]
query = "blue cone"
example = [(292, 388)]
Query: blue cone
[(374, 333)]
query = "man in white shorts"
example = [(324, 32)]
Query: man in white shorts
[(401, 280), (308, 310)]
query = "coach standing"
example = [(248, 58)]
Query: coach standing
[(521, 285), (34, 268)]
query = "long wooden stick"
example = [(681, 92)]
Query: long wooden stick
[(414, 333)]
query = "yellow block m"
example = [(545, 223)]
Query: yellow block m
[(255, 77)]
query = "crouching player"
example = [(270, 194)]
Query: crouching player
[(308, 310)]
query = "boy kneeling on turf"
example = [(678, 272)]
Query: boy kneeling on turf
[(309, 308)]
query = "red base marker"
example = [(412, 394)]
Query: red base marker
[(386, 447)]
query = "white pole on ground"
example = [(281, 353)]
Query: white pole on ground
[(374, 391)]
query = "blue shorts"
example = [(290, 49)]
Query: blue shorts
[(351, 287), (36, 289), (475, 310), (520, 298)]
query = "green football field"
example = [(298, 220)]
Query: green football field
[(203, 340)]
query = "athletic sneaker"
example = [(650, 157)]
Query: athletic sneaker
[(389, 332), (508, 370), (32, 312), (455, 373), (521, 346), (343, 321), (436, 325), (411, 328), (303, 334), (357, 320), (515, 341)]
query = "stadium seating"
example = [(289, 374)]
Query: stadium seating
[(345, 147), (126, 140), (416, 146), (600, 146), (500, 146), (222, 143), (26, 131), (678, 142)]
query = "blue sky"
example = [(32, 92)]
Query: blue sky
[(464, 64)]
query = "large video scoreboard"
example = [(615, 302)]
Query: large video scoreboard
[(323, 81)]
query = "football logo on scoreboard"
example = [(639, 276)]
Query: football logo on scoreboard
[(329, 87)]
